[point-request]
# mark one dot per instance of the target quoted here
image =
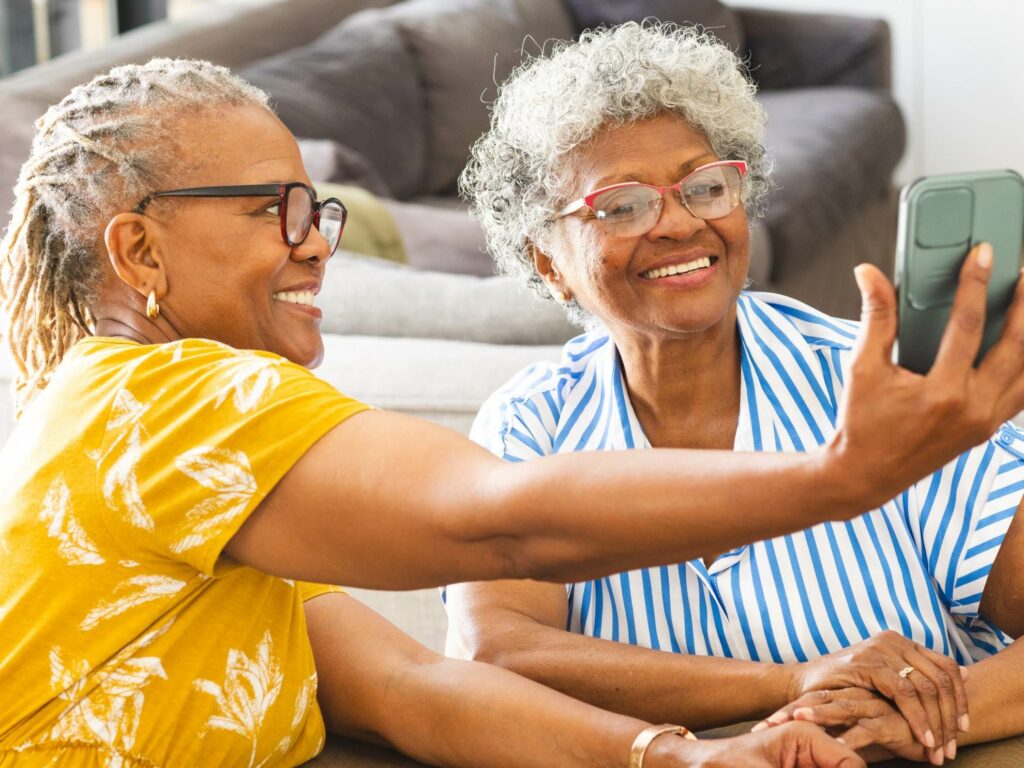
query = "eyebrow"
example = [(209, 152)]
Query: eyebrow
[(684, 170)]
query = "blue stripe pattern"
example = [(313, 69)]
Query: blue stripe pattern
[(917, 565)]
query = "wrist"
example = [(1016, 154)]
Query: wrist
[(674, 752), (787, 685), (845, 482)]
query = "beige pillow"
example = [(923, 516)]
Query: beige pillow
[(370, 229)]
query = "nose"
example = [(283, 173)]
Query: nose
[(675, 220), (314, 248)]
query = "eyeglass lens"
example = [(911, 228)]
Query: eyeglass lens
[(332, 220), (300, 214), (633, 210), (300, 218)]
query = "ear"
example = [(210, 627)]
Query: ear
[(133, 249), (545, 267)]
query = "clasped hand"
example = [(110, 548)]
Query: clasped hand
[(886, 696)]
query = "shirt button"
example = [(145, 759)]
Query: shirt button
[(1005, 438)]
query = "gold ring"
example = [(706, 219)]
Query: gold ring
[(905, 672)]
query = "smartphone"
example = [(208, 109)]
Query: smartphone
[(940, 219)]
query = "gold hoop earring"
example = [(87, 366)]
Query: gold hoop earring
[(152, 308)]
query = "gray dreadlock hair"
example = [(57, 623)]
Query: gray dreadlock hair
[(99, 151)]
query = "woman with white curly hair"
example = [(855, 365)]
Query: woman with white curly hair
[(178, 483), (619, 178)]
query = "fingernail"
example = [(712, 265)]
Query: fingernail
[(804, 713), (985, 255), (951, 750), (937, 757), (759, 727), (929, 739), (965, 723), (858, 275)]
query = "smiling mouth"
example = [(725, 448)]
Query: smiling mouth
[(679, 269), (295, 297)]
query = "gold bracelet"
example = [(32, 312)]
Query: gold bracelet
[(647, 735)]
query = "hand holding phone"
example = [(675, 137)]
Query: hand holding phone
[(940, 219)]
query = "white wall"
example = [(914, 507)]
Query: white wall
[(958, 75)]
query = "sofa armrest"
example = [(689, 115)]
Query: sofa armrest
[(232, 34), (796, 50)]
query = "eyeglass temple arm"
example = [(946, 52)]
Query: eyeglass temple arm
[(572, 207)]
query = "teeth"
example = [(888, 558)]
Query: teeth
[(295, 297), (678, 269)]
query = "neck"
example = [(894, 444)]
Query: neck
[(685, 390), (129, 323)]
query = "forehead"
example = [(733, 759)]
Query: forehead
[(655, 149), (239, 145)]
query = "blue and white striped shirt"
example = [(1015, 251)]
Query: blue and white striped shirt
[(917, 565)]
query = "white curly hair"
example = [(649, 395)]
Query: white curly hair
[(519, 176)]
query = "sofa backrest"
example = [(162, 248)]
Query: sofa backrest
[(404, 88)]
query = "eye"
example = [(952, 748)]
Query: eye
[(274, 208), (705, 190), (623, 204)]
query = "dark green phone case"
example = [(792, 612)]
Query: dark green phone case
[(941, 219)]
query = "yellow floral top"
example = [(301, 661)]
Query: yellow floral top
[(125, 638)]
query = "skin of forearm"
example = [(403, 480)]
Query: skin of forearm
[(501, 719), (674, 514), (697, 691), (379, 685), (995, 696)]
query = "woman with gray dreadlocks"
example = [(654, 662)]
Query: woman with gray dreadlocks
[(179, 486)]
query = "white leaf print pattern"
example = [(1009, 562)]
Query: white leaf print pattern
[(253, 381), (111, 710), (73, 544), (299, 712), (131, 593), (250, 688), (120, 483), (225, 472)]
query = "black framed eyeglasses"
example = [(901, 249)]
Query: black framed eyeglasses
[(298, 208)]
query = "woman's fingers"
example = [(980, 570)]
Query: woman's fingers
[(890, 733), (962, 338), (842, 713), (796, 745), (878, 315), (944, 674), (1000, 371)]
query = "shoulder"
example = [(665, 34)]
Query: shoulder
[(194, 374), (534, 398), (774, 313)]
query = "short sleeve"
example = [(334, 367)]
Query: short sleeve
[(516, 428), (308, 590), (194, 443), (964, 512)]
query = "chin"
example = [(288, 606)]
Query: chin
[(308, 355)]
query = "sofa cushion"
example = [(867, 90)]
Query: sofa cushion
[(370, 228), (462, 49), (441, 380), (441, 238), (835, 149), (358, 86), (716, 16), (364, 296)]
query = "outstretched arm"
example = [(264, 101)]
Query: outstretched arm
[(376, 684), (391, 502)]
